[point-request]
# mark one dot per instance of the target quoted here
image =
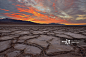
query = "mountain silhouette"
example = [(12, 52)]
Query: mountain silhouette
[(13, 21), (55, 24)]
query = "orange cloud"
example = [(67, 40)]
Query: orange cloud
[(4, 9), (54, 6), (41, 18), (36, 17), (20, 16)]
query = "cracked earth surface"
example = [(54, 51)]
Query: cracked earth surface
[(40, 41)]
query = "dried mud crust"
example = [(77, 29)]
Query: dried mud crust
[(40, 41)]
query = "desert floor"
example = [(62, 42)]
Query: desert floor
[(41, 41)]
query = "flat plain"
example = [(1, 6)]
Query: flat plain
[(41, 41)]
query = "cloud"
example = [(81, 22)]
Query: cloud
[(81, 17), (45, 11), (4, 9)]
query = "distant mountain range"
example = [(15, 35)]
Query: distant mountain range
[(55, 24), (13, 21)]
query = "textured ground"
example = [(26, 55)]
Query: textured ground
[(40, 41)]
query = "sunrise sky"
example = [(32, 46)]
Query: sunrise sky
[(68, 12)]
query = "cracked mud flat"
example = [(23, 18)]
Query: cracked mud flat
[(40, 41)]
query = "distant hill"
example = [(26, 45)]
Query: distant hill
[(55, 24), (13, 21)]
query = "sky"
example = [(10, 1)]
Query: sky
[(68, 12)]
